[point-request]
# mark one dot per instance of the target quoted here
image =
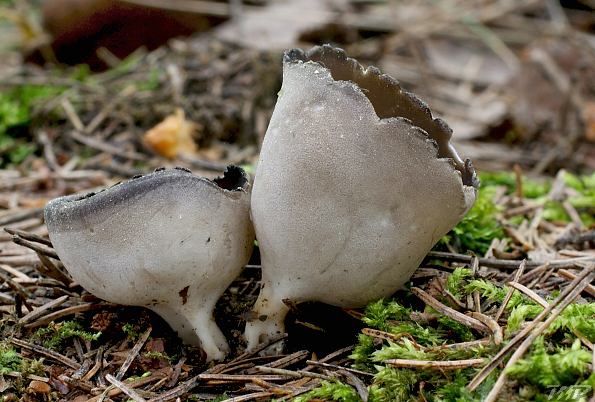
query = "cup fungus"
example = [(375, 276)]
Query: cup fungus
[(356, 182), (169, 241)]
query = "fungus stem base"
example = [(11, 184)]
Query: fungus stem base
[(271, 312), (196, 328)]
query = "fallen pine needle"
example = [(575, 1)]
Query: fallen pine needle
[(436, 365)]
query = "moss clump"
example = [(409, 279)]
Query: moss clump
[(54, 333), (556, 367)]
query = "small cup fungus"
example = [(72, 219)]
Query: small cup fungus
[(169, 241), (356, 182)]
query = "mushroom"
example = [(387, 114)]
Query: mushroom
[(169, 241), (356, 182)]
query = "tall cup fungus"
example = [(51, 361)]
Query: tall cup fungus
[(356, 182), (169, 241)]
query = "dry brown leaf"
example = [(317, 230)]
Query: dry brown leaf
[(39, 387), (279, 25), (173, 136), (4, 385)]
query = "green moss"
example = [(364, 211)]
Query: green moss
[(11, 362), (378, 313), (497, 293), (82, 73), (455, 280), (334, 391), (161, 356), (456, 391), (15, 111), (393, 384), (531, 188), (54, 333), (220, 398), (455, 329), (9, 359), (562, 366), (477, 230), (152, 82), (576, 316), (130, 330), (548, 371)]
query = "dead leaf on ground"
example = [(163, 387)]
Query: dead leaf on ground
[(279, 25), (173, 136)]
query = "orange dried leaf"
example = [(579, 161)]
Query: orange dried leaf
[(173, 136), (39, 387)]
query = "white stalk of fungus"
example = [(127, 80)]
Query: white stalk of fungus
[(169, 241), (356, 182)]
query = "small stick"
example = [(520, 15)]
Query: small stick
[(583, 339), (104, 147), (569, 275), (35, 247), (72, 115), (29, 236), (175, 392), (258, 348), (361, 388), (509, 264), (38, 312), (249, 397), (46, 352), (449, 312), (21, 216), (176, 374), (275, 388), (68, 311), (84, 385), (531, 294), (331, 356), (244, 378), (556, 193), (574, 216), (50, 269), (30, 376), (461, 345), (575, 239), (337, 353), (133, 353), (96, 366), (387, 336), (491, 324), (138, 383), (518, 237), (436, 365), (335, 367), (16, 287), (41, 282), (296, 374), (534, 276), (285, 361), (20, 260), (14, 272), (128, 391), (522, 210)]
